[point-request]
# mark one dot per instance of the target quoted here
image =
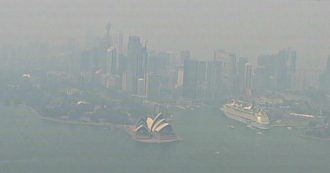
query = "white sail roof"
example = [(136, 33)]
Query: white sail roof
[(158, 123), (150, 121), (160, 127)]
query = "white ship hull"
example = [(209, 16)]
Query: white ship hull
[(245, 121)]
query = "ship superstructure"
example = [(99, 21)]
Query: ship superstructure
[(246, 113)]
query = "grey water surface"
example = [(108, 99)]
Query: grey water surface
[(30, 144)]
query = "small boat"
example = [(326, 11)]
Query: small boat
[(250, 126)]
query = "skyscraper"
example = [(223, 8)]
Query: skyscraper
[(141, 87), (215, 86), (229, 70), (111, 61), (137, 62), (153, 86), (119, 54), (189, 86), (275, 72), (248, 79), (179, 82), (107, 38), (184, 55), (240, 75), (118, 43), (158, 62), (328, 65), (325, 78), (285, 68), (194, 79)]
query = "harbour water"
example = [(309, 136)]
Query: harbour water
[(31, 145)]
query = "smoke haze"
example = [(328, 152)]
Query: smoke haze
[(248, 28)]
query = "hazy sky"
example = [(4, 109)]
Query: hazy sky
[(246, 27)]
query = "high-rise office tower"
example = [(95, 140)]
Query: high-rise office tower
[(248, 79), (328, 65), (120, 57), (136, 63), (111, 61), (275, 72), (141, 87), (153, 86), (118, 43), (285, 68), (189, 86), (325, 78), (158, 62), (107, 39), (185, 55), (240, 75), (194, 79), (229, 70), (179, 81), (228, 61), (215, 86)]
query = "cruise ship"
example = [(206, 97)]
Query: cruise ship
[(246, 113)]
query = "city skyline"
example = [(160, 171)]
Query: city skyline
[(212, 25), (237, 86)]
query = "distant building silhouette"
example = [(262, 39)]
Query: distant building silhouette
[(202, 79), (325, 78), (215, 83), (153, 86), (189, 87), (194, 79), (228, 71), (248, 79), (136, 63), (184, 55), (240, 79), (275, 72)]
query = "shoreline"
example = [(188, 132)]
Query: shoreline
[(73, 122), (153, 140), (128, 128), (314, 138), (157, 141)]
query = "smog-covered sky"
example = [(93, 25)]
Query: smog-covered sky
[(246, 27)]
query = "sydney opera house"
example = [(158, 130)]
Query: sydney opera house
[(154, 130)]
